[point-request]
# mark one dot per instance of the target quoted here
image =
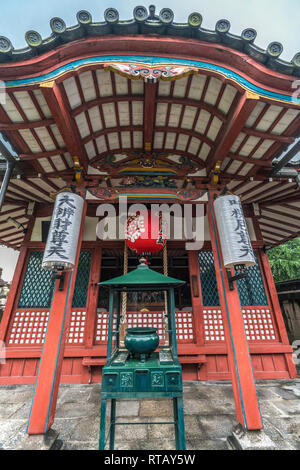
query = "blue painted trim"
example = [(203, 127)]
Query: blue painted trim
[(150, 60)]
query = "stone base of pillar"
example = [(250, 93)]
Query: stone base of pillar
[(48, 441), (242, 439)]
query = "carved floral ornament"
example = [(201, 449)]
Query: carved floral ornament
[(150, 73)]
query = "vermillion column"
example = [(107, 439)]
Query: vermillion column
[(46, 389), (245, 396)]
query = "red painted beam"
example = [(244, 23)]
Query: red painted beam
[(234, 127), (243, 384), (149, 114), (48, 379), (15, 126), (47, 154), (57, 102), (267, 135)]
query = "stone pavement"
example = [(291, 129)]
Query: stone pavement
[(209, 416)]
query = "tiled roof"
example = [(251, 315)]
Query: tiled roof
[(146, 22)]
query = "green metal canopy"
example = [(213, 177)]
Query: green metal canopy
[(142, 276)]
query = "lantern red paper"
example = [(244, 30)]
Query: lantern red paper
[(145, 233)]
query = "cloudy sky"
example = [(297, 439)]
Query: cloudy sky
[(274, 20)]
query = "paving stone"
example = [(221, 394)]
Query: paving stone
[(73, 396), (127, 408), (283, 393), (288, 407), (70, 410), (14, 396), (131, 432), (79, 445), (216, 427), (206, 407), (209, 416), (156, 444), (85, 429), (12, 432), (206, 444), (193, 430), (161, 431), (294, 389), (289, 427), (94, 394), (163, 407), (132, 445), (9, 410), (270, 409), (267, 394)]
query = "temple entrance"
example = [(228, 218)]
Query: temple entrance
[(112, 265)]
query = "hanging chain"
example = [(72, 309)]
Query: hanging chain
[(165, 266), (124, 294), (123, 321)]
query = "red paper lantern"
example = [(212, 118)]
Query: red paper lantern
[(145, 233)]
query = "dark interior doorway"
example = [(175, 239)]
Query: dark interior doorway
[(112, 265)]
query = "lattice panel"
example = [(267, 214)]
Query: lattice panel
[(101, 328), (259, 324), (251, 289), (75, 333), (28, 327), (151, 320), (213, 325), (209, 288), (82, 280), (184, 325), (38, 284)]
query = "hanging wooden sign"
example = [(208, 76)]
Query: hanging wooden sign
[(234, 237), (62, 241)]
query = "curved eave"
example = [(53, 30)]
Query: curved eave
[(61, 60)]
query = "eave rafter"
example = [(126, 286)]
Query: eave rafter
[(56, 100), (235, 124)]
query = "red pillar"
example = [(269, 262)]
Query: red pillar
[(277, 312), (246, 401), (16, 282), (46, 389)]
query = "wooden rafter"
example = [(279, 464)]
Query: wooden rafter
[(58, 105), (244, 108), (149, 114)]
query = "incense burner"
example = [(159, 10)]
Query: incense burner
[(141, 341)]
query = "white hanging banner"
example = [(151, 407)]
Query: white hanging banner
[(233, 233), (62, 241)]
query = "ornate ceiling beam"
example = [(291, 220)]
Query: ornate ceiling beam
[(58, 105), (149, 114), (235, 124)]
